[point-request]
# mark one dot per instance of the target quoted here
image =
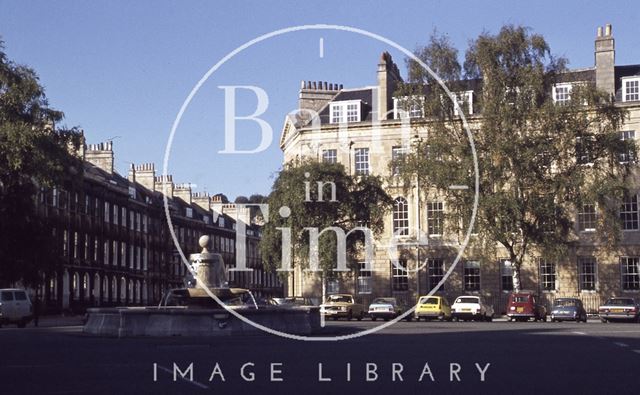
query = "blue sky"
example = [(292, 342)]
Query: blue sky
[(122, 69)]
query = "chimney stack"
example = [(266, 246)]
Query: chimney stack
[(164, 181), (315, 95), (144, 175), (132, 173), (183, 191), (100, 155), (605, 60), (202, 199), (388, 78)]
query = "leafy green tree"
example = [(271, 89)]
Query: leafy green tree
[(241, 199), (359, 201), (539, 162), (34, 154)]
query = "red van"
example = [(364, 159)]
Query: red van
[(524, 305)]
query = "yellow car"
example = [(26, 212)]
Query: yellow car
[(430, 307)]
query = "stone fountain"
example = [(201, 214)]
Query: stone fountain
[(191, 311)]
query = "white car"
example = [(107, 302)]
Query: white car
[(470, 307), (15, 307)]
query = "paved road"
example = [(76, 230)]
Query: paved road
[(591, 358)]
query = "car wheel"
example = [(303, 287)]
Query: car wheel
[(350, 316), (374, 318), (544, 319), (361, 316), (488, 318), (450, 319), (409, 318), (604, 320)]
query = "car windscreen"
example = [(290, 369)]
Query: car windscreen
[(339, 299), (428, 301), (620, 302), (20, 295), (384, 301), (6, 296), (565, 303), (467, 300), (520, 299)]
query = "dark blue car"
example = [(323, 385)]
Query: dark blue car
[(568, 309)]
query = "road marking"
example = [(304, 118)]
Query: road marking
[(321, 47), (636, 351), (459, 187), (621, 344), (197, 384), (578, 333)]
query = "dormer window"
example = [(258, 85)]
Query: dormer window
[(464, 98), (345, 111), (411, 106), (561, 93), (631, 89), (189, 212)]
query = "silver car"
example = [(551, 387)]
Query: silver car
[(626, 309)]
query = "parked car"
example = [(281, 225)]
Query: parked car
[(15, 307), (296, 301), (619, 309), (387, 308), (568, 309), (430, 307), (524, 305), (471, 307), (197, 298), (342, 306)]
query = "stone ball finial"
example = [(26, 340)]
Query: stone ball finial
[(204, 243)]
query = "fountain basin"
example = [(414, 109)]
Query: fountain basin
[(182, 321)]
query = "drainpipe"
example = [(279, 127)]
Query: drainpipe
[(418, 263)]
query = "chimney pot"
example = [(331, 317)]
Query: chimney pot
[(607, 29)]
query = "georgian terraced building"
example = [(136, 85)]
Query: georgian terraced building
[(348, 133), (114, 244)]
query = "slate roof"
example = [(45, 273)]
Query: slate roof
[(364, 94)]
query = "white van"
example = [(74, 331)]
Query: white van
[(15, 307)]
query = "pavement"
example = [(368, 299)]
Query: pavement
[(407, 357)]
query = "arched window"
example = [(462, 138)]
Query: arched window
[(96, 287), (400, 217), (138, 299), (123, 290), (114, 290), (130, 292), (53, 286), (76, 286), (85, 286), (105, 288), (144, 292)]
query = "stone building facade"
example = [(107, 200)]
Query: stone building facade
[(360, 128), (114, 244)]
